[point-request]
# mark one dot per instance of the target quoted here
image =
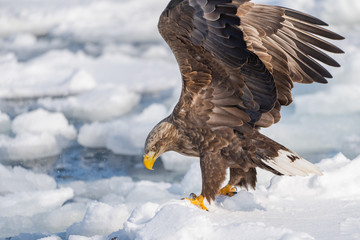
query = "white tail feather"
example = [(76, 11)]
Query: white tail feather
[(289, 163)]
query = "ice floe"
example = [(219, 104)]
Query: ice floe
[(38, 134)]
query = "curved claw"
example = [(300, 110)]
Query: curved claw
[(228, 190), (197, 200)]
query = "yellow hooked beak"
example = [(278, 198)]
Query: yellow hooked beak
[(149, 160)]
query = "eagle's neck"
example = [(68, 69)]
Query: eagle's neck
[(181, 143)]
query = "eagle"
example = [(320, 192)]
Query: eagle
[(238, 62)]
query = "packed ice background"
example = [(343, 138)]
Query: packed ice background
[(82, 82)]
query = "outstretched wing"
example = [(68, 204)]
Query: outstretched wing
[(238, 63), (288, 43)]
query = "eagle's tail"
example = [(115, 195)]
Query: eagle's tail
[(284, 161)]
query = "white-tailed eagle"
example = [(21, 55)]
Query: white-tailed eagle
[(238, 61)]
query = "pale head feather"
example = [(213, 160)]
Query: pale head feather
[(162, 138)]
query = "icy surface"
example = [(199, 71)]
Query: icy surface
[(83, 82), (123, 136), (280, 208), (37, 134)]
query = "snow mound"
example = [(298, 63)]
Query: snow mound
[(100, 219), (39, 121), (38, 134), (351, 227), (340, 181), (26, 193), (123, 136), (176, 220), (31, 203), (19, 179), (49, 75), (53, 237), (63, 73), (100, 104), (77, 237), (112, 190)]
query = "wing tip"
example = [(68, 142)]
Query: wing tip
[(304, 17)]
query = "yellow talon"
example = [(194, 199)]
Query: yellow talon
[(228, 190), (197, 201)]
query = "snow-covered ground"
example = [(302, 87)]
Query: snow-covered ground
[(325, 207), (81, 84)]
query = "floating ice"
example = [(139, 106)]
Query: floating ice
[(28, 146), (104, 189), (53, 237), (39, 121), (19, 179), (124, 136), (38, 134), (62, 73), (100, 219), (100, 104), (49, 75), (33, 202), (77, 237)]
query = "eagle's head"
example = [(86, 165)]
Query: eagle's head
[(161, 139)]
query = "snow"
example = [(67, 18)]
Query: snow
[(123, 136), (28, 200), (185, 223), (100, 104), (174, 161), (31, 203), (53, 123), (120, 206), (38, 134), (20, 179), (83, 82), (100, 219)]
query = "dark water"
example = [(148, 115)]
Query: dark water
[(79, 163)]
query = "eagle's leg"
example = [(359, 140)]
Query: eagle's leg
[(213, 171), (242, 178)]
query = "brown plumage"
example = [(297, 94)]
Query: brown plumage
[(238, 62)]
